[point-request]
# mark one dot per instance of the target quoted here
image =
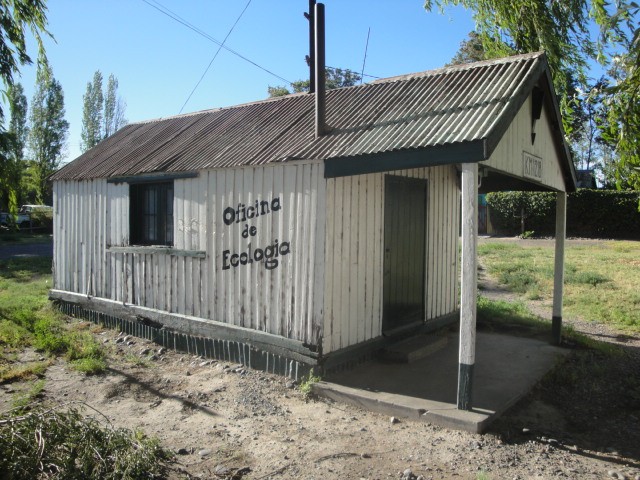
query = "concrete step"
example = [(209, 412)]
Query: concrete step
[(414, 348)]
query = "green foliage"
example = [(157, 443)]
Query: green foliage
[(482, 475), (13, 335), (66, 444), (306, 384), (90, 366), (114, 108), (590, 213), (50, 336), (559, 28), (25, 238), (12, 155), (23, 290), (92, 107), (622, 102), (277, 91), (48, 129), (519, 277), (102, 111), (507, 210), (472, 49), (83, 345), (585, 278), (16, 18), (334, 77)]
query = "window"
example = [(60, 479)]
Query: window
[(151, 213)]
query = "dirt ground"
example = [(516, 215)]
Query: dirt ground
[(224, 421)]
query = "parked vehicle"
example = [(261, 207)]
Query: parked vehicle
[(28, 209), (22, 220), (29, 216), (5, 219)]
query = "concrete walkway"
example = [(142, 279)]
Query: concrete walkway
[(506, 369)]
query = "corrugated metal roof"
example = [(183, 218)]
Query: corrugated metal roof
[(448, 106)]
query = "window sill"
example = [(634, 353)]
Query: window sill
[(158, 249)]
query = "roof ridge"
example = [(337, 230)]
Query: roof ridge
[(408, 76), (461, 66)]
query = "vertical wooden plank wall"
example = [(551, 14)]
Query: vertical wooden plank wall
[(280, 297), (286, 299), (354, 253), (88, 216)]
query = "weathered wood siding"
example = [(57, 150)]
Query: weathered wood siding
[(82, 229), (508, 155), (283, 298), (354, 253)]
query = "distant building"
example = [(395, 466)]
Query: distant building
[(586, 179)]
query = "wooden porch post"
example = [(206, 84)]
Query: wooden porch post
[(558, 276), (469, 284)]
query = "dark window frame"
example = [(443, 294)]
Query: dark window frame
[(151, 213)]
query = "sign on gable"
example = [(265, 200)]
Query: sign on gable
[(532, 166)]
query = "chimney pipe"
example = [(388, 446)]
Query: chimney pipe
[(319, 70), (312, 46)]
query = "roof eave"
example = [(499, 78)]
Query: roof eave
[(463, 152)]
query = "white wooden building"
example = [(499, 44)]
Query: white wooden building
[(237, 233)]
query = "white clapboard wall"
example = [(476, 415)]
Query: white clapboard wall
[(354, 263)]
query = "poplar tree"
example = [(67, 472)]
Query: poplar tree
[(92, 108), (48, 131), (114, 108), (102, 111)]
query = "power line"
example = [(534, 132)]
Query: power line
[(364, 60), (174, 16), (164, 10), (215, 55), (351, 70)]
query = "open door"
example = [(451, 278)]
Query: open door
[(405, 220)]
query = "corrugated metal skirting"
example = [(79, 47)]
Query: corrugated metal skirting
[(225, 350)]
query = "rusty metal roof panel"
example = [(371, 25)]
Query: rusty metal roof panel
[(452, 105)]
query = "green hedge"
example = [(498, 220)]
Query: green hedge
[(590, 213)]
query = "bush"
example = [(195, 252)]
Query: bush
[(66, 444), (590, 213)]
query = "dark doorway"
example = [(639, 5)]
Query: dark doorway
[(405, 219)]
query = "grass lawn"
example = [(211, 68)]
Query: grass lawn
[(28, 320), (601, 280)]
